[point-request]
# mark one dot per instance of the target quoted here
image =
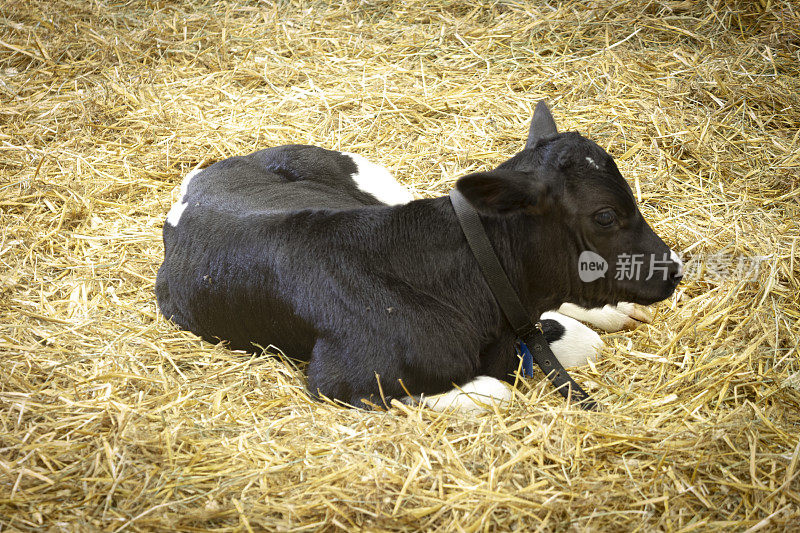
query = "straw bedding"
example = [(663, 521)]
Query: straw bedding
[(112, 419)]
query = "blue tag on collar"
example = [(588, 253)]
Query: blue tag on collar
[(527, 359)]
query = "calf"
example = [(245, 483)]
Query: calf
[(323, 255)]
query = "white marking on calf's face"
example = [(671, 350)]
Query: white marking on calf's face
[(676, 258), (376, 180), (177, 209)]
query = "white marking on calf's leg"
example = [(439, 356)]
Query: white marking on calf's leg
[(376, 180), (177, 209), (476, 396), (577, 345), (610, 318)]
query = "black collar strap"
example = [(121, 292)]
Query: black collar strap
[(526, 330)]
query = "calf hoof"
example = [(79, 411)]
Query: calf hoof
[(637, 314)]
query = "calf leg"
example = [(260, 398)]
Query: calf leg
[(329, 376), (610, 318), (475, 396), (345, 372), (572, 343)]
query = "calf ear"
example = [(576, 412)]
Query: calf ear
[(503, 191), (542, 125)]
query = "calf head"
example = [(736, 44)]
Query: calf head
[(567, 198)]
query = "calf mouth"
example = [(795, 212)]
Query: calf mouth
[(655, 295), (646, 292), (642, 278), (642, 295)]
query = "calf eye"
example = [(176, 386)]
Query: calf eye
[(605, 218)]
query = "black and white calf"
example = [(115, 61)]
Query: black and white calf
[(324, 255)]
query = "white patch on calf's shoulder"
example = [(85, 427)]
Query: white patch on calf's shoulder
[(177, 209), (376, 180), (577, 345), (175, 212), (474, 397), (187, 179)]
